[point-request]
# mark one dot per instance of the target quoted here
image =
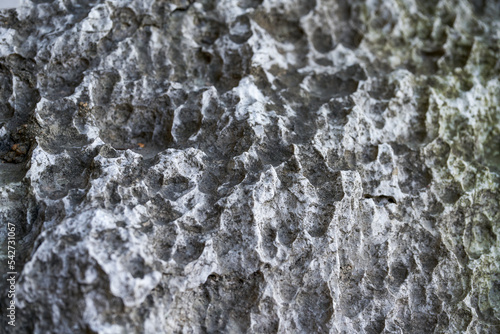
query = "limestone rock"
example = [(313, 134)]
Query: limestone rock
[(251, 166)]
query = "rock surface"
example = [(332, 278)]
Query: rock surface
[(252, 166)]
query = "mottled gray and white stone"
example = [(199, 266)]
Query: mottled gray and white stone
[(251, 166)]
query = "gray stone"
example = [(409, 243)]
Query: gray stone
[(251, 166)]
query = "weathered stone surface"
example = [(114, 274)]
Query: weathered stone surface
[(257, 166)]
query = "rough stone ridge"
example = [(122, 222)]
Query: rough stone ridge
[(252, 166)]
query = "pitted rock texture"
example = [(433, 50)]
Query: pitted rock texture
[(252, 166)]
